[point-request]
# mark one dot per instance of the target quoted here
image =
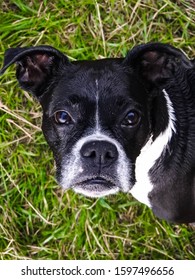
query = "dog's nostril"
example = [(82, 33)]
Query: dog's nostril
[(110, 154), (89, 153), (99, 152), (93, 154)]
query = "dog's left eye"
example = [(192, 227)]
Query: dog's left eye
[(62, 117), (131, 119)]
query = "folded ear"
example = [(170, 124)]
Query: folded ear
[(156, 62), (35, 66)]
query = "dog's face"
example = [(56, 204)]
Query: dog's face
[(97, 115), (96, 123)]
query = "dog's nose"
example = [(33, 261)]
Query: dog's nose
[(101, 153)]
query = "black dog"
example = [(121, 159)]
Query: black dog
[(119, 124)]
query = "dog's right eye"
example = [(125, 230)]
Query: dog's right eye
[(131, 119), (63, 117)]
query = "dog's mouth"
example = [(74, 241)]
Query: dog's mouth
[(96, 187), (99, 181)]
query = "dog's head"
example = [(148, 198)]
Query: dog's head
[(98, 115)]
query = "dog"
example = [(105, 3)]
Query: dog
[(118, 124)]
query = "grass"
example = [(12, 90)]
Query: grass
[(37, 219)]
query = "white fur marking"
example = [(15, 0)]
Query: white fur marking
[(96, 194), (149, 154), (97, 106)]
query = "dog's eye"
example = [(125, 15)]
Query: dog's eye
[(131, 119), (62, 117)]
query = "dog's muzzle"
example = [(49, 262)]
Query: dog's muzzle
[(96, 167)]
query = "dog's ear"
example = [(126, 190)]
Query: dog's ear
[(156, 62), (35, 66)]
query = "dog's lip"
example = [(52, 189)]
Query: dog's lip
[(96, 187), (96, 181)]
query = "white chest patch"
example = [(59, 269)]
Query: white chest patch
[(149, 154)]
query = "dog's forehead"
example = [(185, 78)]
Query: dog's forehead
[(108, 77)]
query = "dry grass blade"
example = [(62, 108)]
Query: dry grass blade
[(5, 109)]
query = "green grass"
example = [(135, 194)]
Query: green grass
[(37, 219)]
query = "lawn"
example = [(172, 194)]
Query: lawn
[(38, 220)]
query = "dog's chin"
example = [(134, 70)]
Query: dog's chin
[(96, 187)]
